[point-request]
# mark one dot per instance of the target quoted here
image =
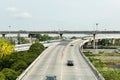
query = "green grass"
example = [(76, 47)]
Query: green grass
[(101, 65)]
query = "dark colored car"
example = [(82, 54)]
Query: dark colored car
[(71, 44), (70, 63), (51, 77)]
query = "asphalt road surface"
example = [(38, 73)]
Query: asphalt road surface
[(53, 61)]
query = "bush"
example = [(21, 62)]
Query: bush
[(29, 57), (88, 53), (6, 62), (14, 64), (2, 76), (107, 73), (19, 66), (110, 74), (36, 48), (9, 73)]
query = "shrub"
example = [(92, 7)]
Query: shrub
[(2, 76), (110, 74), (29, 57), (6, 61), (9, 74), (36, 48), (19, 66)]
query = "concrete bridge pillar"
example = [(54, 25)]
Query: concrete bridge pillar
[(3, 35), (18, 38), (94, 45), (30, 36), (61, 35)]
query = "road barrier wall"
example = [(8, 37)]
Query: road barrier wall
[(95, 71), (21, 77)]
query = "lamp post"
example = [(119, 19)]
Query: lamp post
[(94, 38), (97, 26), (9, 28), (9, 32), (96, 33), (105, 39)]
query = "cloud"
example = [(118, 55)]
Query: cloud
[(16, 13), (23, 15), (12, 9)]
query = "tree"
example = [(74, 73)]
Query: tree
[(36, 48), (29, 57), (2, 76), (73, 37), (9, 73), (21, 40), (41, 37), (19, 66), (5, 48)]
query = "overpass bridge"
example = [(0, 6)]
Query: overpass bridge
[(3, 33), (30, 33), (60, 32)]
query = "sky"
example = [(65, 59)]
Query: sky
[(40, 15)]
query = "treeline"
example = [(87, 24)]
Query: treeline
[(109, 42), (43, 37), (11, 66), (104, 44)]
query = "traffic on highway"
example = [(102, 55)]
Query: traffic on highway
[(61, 61)]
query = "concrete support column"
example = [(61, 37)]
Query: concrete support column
[(61, 35), (94, 41), (18, 38), (3, 35), (30, 36)]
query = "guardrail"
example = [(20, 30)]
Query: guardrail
[(95, 71)]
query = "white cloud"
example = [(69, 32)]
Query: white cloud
[(19, 14), (23, 15), (12, 9)]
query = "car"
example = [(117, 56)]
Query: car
[(70, 63), (71, 44), (51, 77)]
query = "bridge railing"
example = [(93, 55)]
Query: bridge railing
[(95, 71)]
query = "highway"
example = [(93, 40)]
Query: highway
[(25, 47), (53, 62)]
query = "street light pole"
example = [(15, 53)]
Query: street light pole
[(9, 32), (97, 26), (96, 39), (9, 27)]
